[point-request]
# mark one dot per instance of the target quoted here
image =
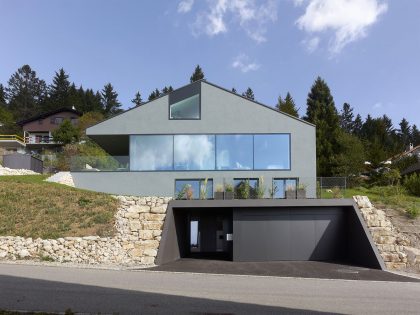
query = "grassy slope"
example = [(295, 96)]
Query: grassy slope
[(30, 207), (389, 196)]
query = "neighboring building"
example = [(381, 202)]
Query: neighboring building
[(410, 152), (37, 130), (198, 132)]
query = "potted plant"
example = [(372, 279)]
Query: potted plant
[(273, 191), (301, 191), (228, 191), (243, 190), (189, 192), (260, 188), (203, 189), (218, 194), (290, 192)]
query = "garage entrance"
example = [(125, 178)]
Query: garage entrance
[(268, 230)]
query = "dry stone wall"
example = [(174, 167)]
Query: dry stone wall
[(393, 246), (138, 222)]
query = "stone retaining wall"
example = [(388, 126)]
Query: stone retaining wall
[(393, 246), (138, 221)]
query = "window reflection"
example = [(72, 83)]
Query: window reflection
[(194, 152), (272, 152), (245, 188), (193, 189), (281, 186), (234, 152), (151, 153), (188, 108)]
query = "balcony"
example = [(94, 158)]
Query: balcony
[(39, 139)]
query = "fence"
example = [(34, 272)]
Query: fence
[(331, 187)]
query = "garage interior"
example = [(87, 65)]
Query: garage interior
[(267, 230)]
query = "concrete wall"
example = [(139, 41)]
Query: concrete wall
[(221, 112), (23, 161)]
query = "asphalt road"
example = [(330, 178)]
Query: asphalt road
[(55, 289)]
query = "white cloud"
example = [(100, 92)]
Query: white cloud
[(185, 6), (311, 44), (377, 105), (242, 63), (252, 18), (194, 152), (347, 19)]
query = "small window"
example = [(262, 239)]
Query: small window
[(58, 120), (284, 188), (245, 188), (188, 108), (74, 120), (52, 120), (194, 188)]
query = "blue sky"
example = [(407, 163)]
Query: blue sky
[(368, 51)]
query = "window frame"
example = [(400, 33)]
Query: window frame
[(285, 179), (182, 94), (200, 180)]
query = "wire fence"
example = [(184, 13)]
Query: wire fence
[(331, 187)]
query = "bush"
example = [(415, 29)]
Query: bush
[(413, 211), (412, 184)]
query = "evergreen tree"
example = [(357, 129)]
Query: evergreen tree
[(287, 105), (234, 90), (351, 157), (167, 90), (198, 74), (357, 126), (404, 133), (7, 122), (59, 91), (154, 94), (110, 102), (2, 96), (346, 118), (137, 99), (321, 111), (25, 93), (66, 133), (249, 94), (415, 136)]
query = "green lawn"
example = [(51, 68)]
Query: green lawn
[(31, 207)]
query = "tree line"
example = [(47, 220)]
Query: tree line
[(344, 139)]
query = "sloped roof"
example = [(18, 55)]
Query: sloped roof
[(49, 113)]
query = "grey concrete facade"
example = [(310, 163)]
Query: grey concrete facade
[(222, 112)]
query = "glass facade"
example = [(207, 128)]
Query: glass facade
[(194, 152), (193, 188), (210, 152), (283, 185), (271, 152), (151, 153), (188, 108), (234, 152)]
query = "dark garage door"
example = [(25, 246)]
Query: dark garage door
[(288, 234)]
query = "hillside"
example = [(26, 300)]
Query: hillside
[(31, 207)]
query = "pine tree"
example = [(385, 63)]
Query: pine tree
[(59, 91), (415, 136), (249, 94), (287, 105), (234, 90), (346, 118), (137, 99), (321, 111), (155, 94), (167, 90), (110, 102), (404, 133), (198, 74), (25, 93), (2, 96), (357, 126)]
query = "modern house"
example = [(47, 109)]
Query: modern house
[(202, 133), (37, 130), (202, 142)]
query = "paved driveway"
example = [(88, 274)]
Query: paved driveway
[(299, 269)]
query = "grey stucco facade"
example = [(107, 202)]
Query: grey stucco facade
[(222, 112)]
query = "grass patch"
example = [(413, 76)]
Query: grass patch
[(31, 207), (395, 197)]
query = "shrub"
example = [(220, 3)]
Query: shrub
[(66, 133), (413, 211), (412, 184)]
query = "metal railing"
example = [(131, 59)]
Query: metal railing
[(100, 163), (34, 139), (12, 138)]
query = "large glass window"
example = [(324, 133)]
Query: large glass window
[(272, 152), (151, 152), (245, 188), (234, 152), (194, 188), (194, 152), (283, 186), (188, 108)]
